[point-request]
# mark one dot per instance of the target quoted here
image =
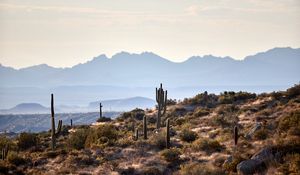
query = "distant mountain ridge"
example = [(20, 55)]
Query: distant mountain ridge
[(125, 104), (26, 108), (278, 66)]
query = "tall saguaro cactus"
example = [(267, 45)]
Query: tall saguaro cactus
[(161, 99), (168, 133), (100, 105), (236, 135), (59, 126), (145, 127), (4, 152), (136, 134)]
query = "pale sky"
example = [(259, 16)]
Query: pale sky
[(64, 33)]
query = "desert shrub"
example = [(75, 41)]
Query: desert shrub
[(207, 145), (77, 139), (231, 166), (4, 141), (104, 135), (261, 134), (137, 114), (152, 170), (199, 169), (199, 112), (27, 140), (171, 102), (231, 97), (15, 159), (158, 140), (203, 99), (180, 121), (219, 120), (291, 164), (171, 155), (104, 119), (125, 142), (293, 91), (290, 121), (188, 135)]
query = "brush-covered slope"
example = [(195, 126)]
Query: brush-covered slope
[(201, 140)]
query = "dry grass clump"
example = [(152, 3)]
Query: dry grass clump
[(188, 135), (207, 145), (199, 169), (77, 139), (103, 135), (171, 155)]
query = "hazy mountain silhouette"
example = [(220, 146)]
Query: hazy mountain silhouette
[(26, 108), (124, 104), (126, 75), (278, 66)]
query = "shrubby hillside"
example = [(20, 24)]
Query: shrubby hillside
[(203, 131)]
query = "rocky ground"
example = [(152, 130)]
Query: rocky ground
[(202, 140)]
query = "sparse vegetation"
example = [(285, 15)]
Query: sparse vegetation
[(208, 134)]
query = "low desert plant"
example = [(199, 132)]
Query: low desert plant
[(199, 169), (158, 140), (207, 145), (104, 119), (15, 159), (77, 139), (103, 135), (171, 155), (188, 135), (27, 140)]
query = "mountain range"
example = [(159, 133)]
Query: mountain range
[(108, 105), (126, 75)]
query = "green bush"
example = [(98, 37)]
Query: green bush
[(199, 112), (293, 91), (207, 145), (290, 121), (103, 135), (77, 139), (171, 155), (188, 135), (232, 165), (4, 141), (158, 140), (199, 169), (261, 134), (27, 140), (15, 159), (104, 119)]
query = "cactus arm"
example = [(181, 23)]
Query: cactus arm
[(168, 134)]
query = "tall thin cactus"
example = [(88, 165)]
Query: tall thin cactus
[(100, 106), (145, 127), (71, 123), (161, 99), (4, 152), (54, 134), (236, 135), (168, 133), (136, 134)]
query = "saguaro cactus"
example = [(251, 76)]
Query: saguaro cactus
[(168, 133), (59, 126), (100, 105), (71, 123), (4, 152), (145, 127), (136, 134), (236, 135), (161, 99)]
